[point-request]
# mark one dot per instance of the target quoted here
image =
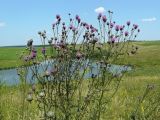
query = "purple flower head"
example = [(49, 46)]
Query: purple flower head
[(58, 17), (139, 30), (77, 17), (104, 18), (121, 28), (87, 26), (99, 16), (43, 51), (126, 33), (128, 23), (117, 28), (71, 26), (113, 39), (135, 26), (34, 54)]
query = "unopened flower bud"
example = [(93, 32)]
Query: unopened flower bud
[(99, 16), (39, 33), (79, 55), (29, 98), (41, 94), (47, 74), (50, 114), (128, 23), (29, 43), (33, 88), (50, 41)]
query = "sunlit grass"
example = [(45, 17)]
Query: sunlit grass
[(121, 107)]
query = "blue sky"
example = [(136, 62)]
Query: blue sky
[(20, 20)]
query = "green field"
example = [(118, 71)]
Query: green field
[(146, 60), (147, 69), (9, 56)]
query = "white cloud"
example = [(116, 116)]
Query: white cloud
[(100, 10), (2, 24), (149, 19)]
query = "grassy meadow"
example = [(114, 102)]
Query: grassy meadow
[(9, 56), (146, 71)]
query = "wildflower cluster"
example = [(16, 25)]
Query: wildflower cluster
[(65, 83)]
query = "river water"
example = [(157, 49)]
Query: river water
[(10, 76)]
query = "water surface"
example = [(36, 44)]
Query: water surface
[(10, 77)]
